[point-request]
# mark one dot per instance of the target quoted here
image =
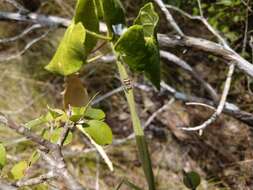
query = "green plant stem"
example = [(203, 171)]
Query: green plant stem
[(139, 133), (99, 36)]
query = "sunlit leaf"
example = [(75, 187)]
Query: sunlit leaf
[(18, 170), (148, 18), (2, 156), (77, 113), (69, 56), (54, 136), (100, 132), (192, 180), (94, 113), (86, 14), (98, 147)]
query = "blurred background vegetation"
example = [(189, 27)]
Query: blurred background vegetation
[(222, 156)]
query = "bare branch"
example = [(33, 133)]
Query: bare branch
[(37, 180), (221, 104), (25, 32), (208, 46), (17, 5), (169, 17), (30, 44), (27, 133), (181, 63)]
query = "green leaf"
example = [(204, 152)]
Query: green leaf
[(55, 113), (77, 113), (98, 147), (99, 8), (70, 55), (99, 131), (18, 170), (148, 18), (192, 180), (2, 156), (113, 12), (34, 158), (140, 53), (36, 122), (86, 14), (96, 114), (56, 134)]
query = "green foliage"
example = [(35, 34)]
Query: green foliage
[(86, 14), (69, 56), (93, 113), (18, 170), (140, 53), (99, 131), (2, 156), (55, 135), (148, 18), (98, 147), (192, 180), (113, 12), (34, 158)]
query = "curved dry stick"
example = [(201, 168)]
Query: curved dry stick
[(221, 104), (181, 63), (22, 34)]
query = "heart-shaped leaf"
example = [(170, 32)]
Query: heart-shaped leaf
[(70, 54), (86, 14), (140, 53), (148, 18)]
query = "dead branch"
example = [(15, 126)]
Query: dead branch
[(221, 104)]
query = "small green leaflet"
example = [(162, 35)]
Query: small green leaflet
[(70, 55), (94, 113), (2, 156), (113, 12), (98, 147), (140, 53), (192, 180), (55, 135), (53, 114), (18, 170), (34, 158), (86, 14), (148, 18), (77, 113), (100, 132)]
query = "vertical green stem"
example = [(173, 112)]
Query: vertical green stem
[(139, 133)]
